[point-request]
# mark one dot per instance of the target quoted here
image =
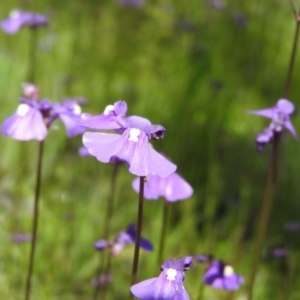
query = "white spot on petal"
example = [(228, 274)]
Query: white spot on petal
[(14, 14), (133, 134), (171, 274), (77, 109), (228, 271), (22, 110), (108, 109)]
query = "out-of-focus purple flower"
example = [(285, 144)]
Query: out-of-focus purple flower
[(83, 151), (169, 284), (33, 117), (101, 280), (22, 237), (292, 226), (28, 122), (69, 113), (204, 258), (132, 146), (279, 115), (172, 187), (222, 276), (263, 138), (279, 252), (19, 18), (131, 3), (123, 238)]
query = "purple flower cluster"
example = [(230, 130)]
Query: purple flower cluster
[(220, 275), (123, 238), (19, 18), (131, 144), (33, 117), (169, 284), (280, 118)]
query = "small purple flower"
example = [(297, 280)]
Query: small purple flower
[(279, 115), (131, 3), (169, 284), (33, 117), (172, 187), (222, 276), (19, 18), (19, 238), (123, 238), (204, 258), (279, 252), (132, 146), (292, 226)]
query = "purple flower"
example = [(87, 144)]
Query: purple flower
[(19, 18), (131, 3), (22, 237), (169, 284), (204, 258), (279, 115), (279, 252), (123, 238), (28, 122), (292, 226), (172, 188), (33, 117), (132, 146), (222, 276)]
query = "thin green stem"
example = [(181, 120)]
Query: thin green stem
[(106, 274), (135, 263), (271, 177), (35, 219), (163, 231)]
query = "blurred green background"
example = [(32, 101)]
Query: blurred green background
[(193, 66)]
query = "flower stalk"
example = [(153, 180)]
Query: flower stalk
[(138, 233), (35, 219), (271, 177)]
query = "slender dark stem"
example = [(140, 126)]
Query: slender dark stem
[(138, 234), (292, 60), (35, 219), (109, 213), (163, 231), (106, 274), (271, 177), (32, 55)]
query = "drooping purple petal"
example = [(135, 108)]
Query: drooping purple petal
[(26, 124), (132, 147), (168, 286), (144, 243), (289, 126), (101, 244), (181, 264), (222, 276), (18, 19), (172, 187)]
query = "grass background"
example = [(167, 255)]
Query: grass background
[(195, 70)]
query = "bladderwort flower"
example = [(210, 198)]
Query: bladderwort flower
[(172, 187), (123, 238), (280, 119), (18, 18), (222, 276), (131, 145), (169, 284), (33, 117)]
